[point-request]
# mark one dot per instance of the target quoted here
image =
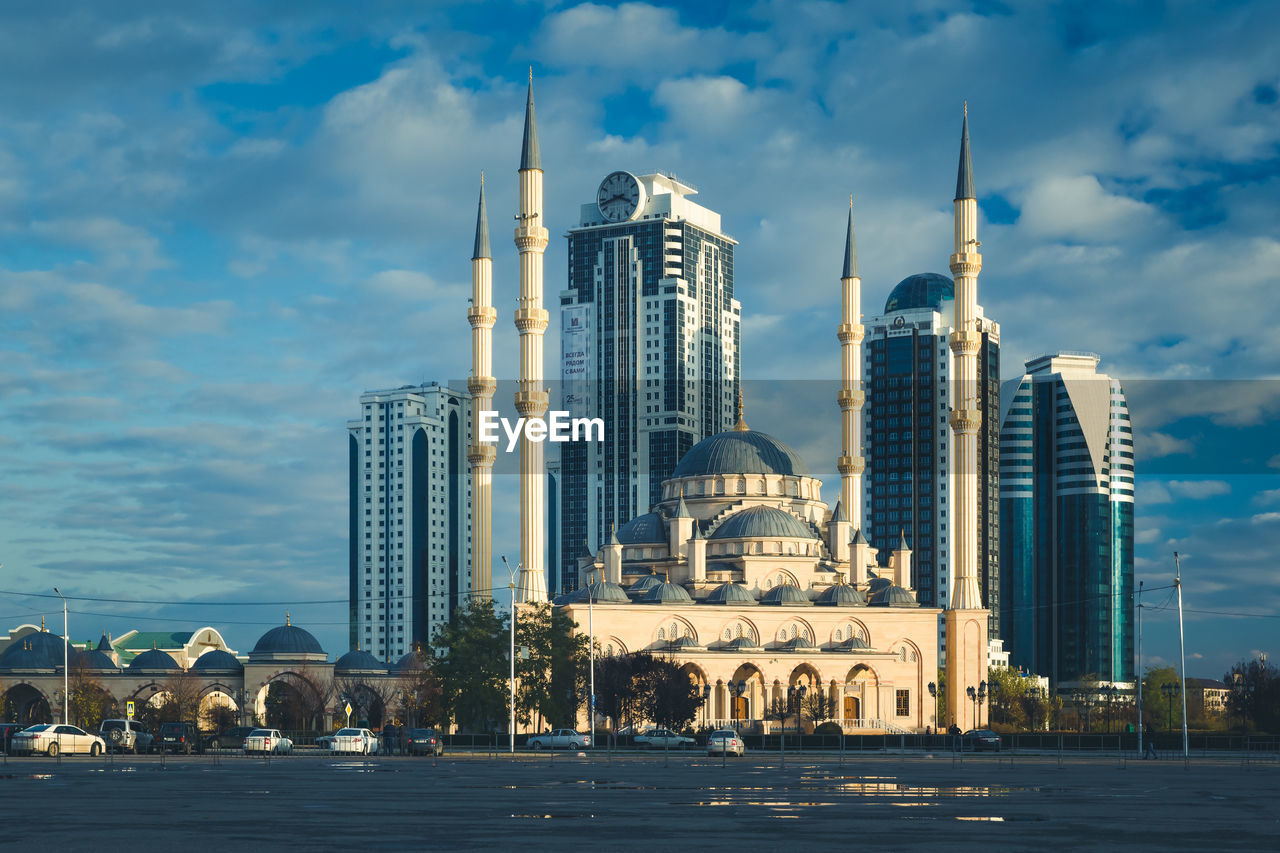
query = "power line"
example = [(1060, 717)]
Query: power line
[(1225, 613)]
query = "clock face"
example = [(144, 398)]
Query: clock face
[(619, 197)]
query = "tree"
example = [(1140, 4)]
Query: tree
[(470, 657), (89, 702), (1164, 708), (1006, 692), (553, 676), (179, 698), (818, 706), (1255, 694), (669, 697), (421, 696), (618, 682)]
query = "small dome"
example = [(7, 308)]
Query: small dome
[(288, 639), (153, 659), (667, 593), (922, 290), (741, 644), (786, 594), (796, 644), (359, 660), (763, 522), (600, 592), (682, 644), (94, 659), (741, 451), (643, 585), (877, 584), (643, 529), (217, 660), (841, 595), (731, 593), (409, 662), (853, 644), (893, 596), (39, 650)]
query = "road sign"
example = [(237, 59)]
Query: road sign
[(128, 708), (348, 709)]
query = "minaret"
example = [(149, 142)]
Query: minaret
[(481, 384), (531, 398), (966, 418), (965, 621), (851, 464)]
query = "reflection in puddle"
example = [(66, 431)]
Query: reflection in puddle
[(990, 819)]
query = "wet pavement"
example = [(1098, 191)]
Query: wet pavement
[(645, 801)]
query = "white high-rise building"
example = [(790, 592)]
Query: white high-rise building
[(410, 516), (649, 343)]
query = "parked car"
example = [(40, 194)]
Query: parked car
[(358, 741), (267, 741), (425, 742), (53, 738), (179, 737), (232, 738), (979, 740), (725, 742), (325, 742), (7, 731), (126, 736), (663, 739), (560, 739)]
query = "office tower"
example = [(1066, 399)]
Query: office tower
[(410, 516), (649, 343), (1066, 505)]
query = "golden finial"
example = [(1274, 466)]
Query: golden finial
[(153, 645), (851, 201), (966, 108), (741, 426), (530, 74), (286, 618), (42, 628), (482, 179)]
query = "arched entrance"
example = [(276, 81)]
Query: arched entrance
[(24, 704), (699, 679), (742, 700), (859, 693), (292, 702)]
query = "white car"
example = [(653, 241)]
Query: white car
[(560, 739), (53, 738), (358, 741), (725, 742), (663, 739), (268, 741)]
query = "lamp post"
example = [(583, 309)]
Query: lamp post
[(66, 693), (933, 691), (511, 724), (795, 698), (591, 643), (736, 689), (973, 699), (982, 697), (1170, 689), (706, 704)]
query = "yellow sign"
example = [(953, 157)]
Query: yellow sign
[(348, 709), (128, 708)]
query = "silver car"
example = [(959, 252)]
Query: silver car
[(560, 739), (725, 742), (55, 738), (358, 741), (663, 739), (268, 741)]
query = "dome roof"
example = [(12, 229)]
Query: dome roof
[(667, 593), (796, 644), (94, 659), (742, 451), (730, 593), (762, 522), (288, 639), (853, 644), (359, 660), (39, 650), (785, 594), (408, 663), (841, 595), (922, 290), (644, 584), (877, 584), (645, 528), (600, 592), (153, 659), (744, 643), (218, 660), (681, 643), (893, 596)]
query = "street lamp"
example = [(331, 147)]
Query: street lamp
[(933, 691), (511, 725), (795, 697), (706, 704), (736, 689), (973, 698), (66, 693), (1170, 689), (982, 697)]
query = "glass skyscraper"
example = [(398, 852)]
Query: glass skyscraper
[(649, 343), (908, 374), (1066, 505), (410, 516)]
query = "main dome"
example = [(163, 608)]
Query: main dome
[(288, 639), (922, 290), (741, 451)]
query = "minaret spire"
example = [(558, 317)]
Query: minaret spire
[(964, 177), (851, 397), (531, 398), (481, 384)]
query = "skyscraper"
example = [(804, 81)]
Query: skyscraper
[(410, 516), (649, 343), (910, 377), (1066, 505)]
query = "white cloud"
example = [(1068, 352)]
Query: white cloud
[(1198, 489), (1078, 208), (631, 35)]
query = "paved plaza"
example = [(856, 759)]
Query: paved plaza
[(638, 801)]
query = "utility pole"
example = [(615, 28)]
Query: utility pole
[(1182, 651), (66, 697), (511, 725), (1140, 751)]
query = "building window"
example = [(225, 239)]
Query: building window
[(903, 703)]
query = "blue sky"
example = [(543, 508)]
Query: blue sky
[(219, 225)]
